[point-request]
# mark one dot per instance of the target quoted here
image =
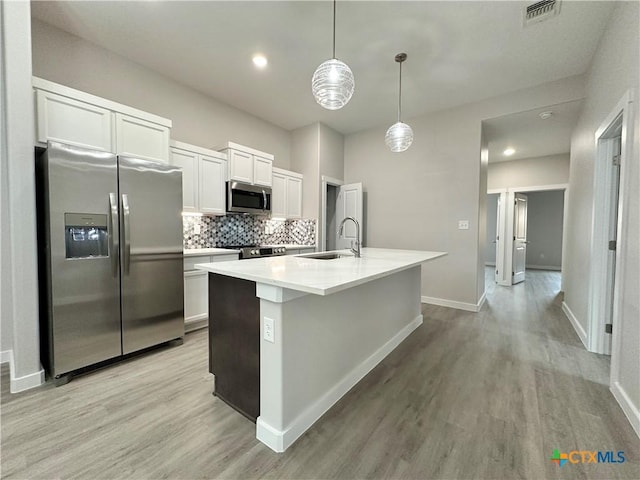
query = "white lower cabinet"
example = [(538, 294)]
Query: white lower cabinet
[(204, 173), (196, 290), (286, 198)]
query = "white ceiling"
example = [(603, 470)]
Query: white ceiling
[(529, 135), (458, 52)]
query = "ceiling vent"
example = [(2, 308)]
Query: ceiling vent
[(540, 11)]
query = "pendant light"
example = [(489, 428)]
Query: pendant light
[(332, 83), (399, 136)]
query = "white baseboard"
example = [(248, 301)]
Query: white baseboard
[(554, 268), (26, 382), (196, 324), (442, 302), (576, 325), (630, 410), (279, 440), (6, 356)]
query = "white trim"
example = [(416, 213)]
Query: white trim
[(576, 325), (442, 302), (322, 228), (496, 191), (245, 149), (598, 279), (175, 144), (629, 409), (554, 268), (196, 322), (280, 440), (289, 173), (6, 356), (46, 85), (20, 384), (539, 188)]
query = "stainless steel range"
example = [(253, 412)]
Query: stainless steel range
[(257, 251)]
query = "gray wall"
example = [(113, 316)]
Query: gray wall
[(529, 172), (316, 150), (544, 229), (613, 71), (492, 224), (416, 198), (197, 119)]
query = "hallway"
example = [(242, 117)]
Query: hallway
[(468, 395)]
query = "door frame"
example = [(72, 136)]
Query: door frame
[(501, 278), (598, 283), (322, 231), (508, 226)]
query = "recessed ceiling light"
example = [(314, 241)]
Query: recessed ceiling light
[(260, 61), (545, 115), (508, 152)]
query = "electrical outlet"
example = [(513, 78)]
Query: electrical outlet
[(269, 330), (196, 229), (463, 224)]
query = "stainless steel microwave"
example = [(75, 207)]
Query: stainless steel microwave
[(246, 198)]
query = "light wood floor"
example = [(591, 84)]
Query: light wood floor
[(486, 395)]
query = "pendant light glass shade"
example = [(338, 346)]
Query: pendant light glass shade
[(333, 83), (399, 136)]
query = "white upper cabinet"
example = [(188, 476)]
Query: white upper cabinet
[(262, 171), (188, 161), (248, 165), (240, 166), (138, 138), (78, 118), (286, 198), (212, 177), (204, 173), (64, 119)]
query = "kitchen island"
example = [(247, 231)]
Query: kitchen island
[(320, 326)]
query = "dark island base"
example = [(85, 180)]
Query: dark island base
[(234, 343)]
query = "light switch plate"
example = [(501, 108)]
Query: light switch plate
[(463, 224), (196, 229), (269, 330)]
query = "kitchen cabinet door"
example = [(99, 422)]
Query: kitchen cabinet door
[(74, 122), (279, 196), (262, 171), (212, 174), (188, 161), (142, 139), (196, 297), (294, 197), (240, 166)]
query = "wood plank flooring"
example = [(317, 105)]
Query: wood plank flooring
[(487, 395)]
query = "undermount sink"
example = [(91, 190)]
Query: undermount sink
[(326, 256)]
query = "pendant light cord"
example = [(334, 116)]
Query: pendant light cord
[(334, 29), (400, 95)]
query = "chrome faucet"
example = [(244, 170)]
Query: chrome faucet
[(356, 250)]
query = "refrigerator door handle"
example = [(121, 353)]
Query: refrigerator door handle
[(125, 234), (113, 226)]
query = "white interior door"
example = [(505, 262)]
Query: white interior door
[(348, 204), (519, 237), (613, 240)]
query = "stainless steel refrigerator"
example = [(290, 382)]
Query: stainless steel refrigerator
[(110, 259)]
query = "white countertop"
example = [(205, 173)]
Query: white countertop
[(322, 277), (194, 252)]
